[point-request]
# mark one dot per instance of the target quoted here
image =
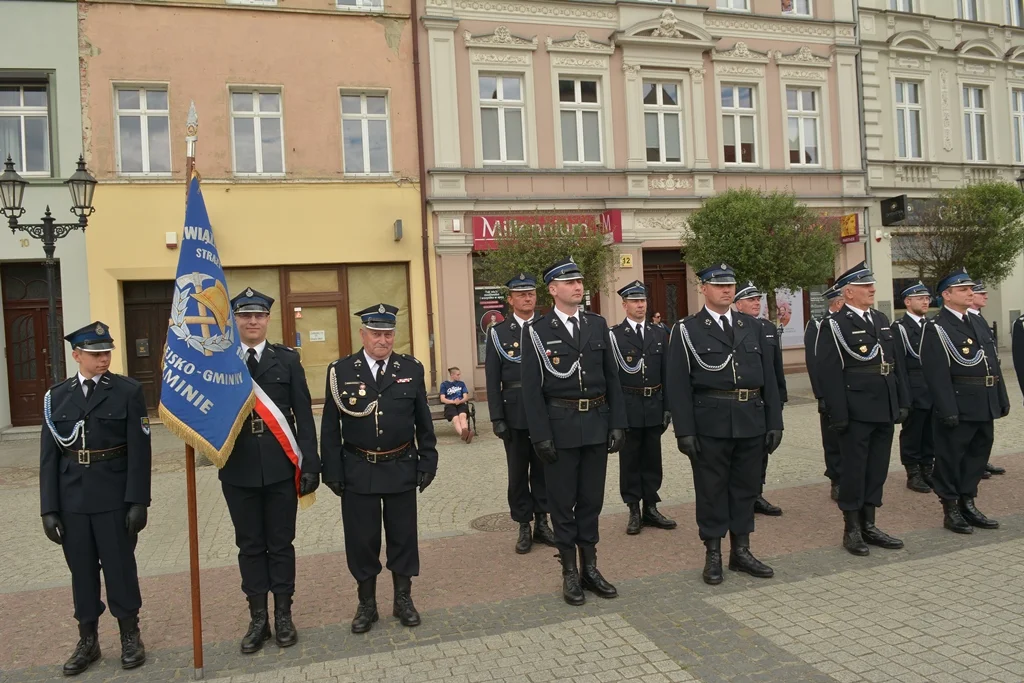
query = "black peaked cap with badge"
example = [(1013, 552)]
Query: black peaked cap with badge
[(251, 301), (93, 338)]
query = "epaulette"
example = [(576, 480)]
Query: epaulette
[(131, 381), (282, 347), (412, 358)]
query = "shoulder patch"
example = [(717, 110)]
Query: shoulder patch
[(282, 347), (412, 358)]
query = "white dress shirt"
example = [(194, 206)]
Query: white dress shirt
[(373, 362), (258, 348), (916, 318), (564, 317), (717, 317), (960, 316), (81, 382)]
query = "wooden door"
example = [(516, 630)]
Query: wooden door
[(147, 309), (666, 291)]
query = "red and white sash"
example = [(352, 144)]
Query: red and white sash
[(275, 420)]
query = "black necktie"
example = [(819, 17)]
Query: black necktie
[(380, 370), (575, 329), (252, 362), (727, 328), (89, 385), (640, 331), (867, 318)]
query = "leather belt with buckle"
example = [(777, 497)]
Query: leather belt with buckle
[(581, 404), (741, 395), (882, 369), (374, 457), (642, 391), (257, 424), (511, 385), (986, 381), (87, 457)]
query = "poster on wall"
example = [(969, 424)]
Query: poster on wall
[(790, 316), (489, 310)]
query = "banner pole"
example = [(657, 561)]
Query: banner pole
[(193, 560)]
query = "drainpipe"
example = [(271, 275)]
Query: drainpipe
[(858, 60), (424, 215)]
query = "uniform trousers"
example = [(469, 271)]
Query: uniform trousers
[(640, 471), (830, 444), (95, 541), (264, 519), (960, 456), (916, 444), (864, 448), (527, 494), (361, 516), (726, 481), (575, 485)]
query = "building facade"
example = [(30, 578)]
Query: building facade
[(309, 167), (41, 130), (627, 116), (943, 106)]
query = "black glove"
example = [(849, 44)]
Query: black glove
[(666, 420), (822, 408), (53, 527), (546, 451), (951, 421), (1004, 412), (772, 439), (423, 479), (308, 482), (840, 427), (615, 439), (135, 521), (337, 486), (902, 417), (500, 428), (688, 445)]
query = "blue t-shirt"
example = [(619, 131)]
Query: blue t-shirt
[(453, 391)]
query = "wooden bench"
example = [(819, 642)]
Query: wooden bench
[(437, 411)]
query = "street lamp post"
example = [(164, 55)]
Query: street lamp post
[(1020, 180), (12, 191)]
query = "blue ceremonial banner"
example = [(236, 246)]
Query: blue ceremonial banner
[(206, 391)]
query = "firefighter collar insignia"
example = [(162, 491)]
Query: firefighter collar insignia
[(395, 364), (358, 363), (739, 323), (554, 322), (707, 322)]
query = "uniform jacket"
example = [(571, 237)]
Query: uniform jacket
[(401, 416), (974, 402), (909, 349), (985, 329), (597, 376), (258, 459), (774, 343), (643, 411), (810, 338), (853, 395), (1017, 344), (747, 363), (503, 401), (115, 415)]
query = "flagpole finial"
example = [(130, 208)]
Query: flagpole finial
[(191, 130)]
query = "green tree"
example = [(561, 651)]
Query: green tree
[(977, 227), (770, 239), (532, 245)]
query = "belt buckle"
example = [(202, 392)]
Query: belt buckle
[(743, 395), (885, 368), (584, 405), (371, 458), (648, 391), (990, 380), (85, 458), (257, 425)]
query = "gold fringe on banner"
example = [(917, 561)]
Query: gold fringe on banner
[(196, 440)]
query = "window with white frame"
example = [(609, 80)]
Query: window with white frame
[(975, 143), (663, 122), (902, 5), (257, 132), (739, 124), (1015, 12), (25, 127), (802, 125), (797, 7), (967, 9), (363, 5), (580, 117), (502, 119), (143, 131), (364, 127), (739, 5), (1018, 126), (908, 120)]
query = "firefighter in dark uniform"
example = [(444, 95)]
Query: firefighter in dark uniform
[(378, 446), (576, 416), (726, 410), (979, 302), (829, 438), (94, 484), (1017, 348), (640, 349), (527, 495), (748, 300), (917, 452), (861, 375), (968, 394), (258, 479)]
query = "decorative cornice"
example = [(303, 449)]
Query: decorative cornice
[(739, 53), (580, 42), (739, 70), (669, 182), (796, 27), (661, 222), (502, 38), (499, 58), (802, 74), (588, 62), (802, 57), (537, 12)]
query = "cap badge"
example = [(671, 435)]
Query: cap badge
[(723, 266), (381, 309), (100, 330), (571, 261), (249, 292), (522, 276)]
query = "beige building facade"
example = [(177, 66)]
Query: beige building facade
[(627, 116)]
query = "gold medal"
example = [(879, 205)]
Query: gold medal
[(966, 350), (555, 360), (362, 392), (863, 349), (352, 401)]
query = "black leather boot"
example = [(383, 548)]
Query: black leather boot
[(259, 625), (133, 652), (652, 517), (915, 480), (763, 507), (572, 591), (86, 652), (834, 492), (525, 541), (590, 577), (404, 609), (853, 541), (366, 613), (953, 520), (284, 630), (974, 516), (992, 469), (542, 532), (713, 562), (926, 473), (872, 534), (635, 523), (742, 560)]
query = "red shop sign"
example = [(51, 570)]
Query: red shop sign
[(486, 228)]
